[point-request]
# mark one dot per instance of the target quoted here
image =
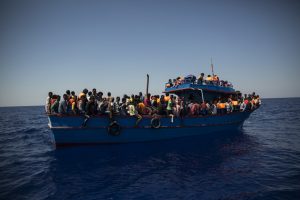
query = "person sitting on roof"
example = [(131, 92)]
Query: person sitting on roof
[(178, 81), (200, 79), (216, 80), (63, 106), (169, 84), (209, 79)]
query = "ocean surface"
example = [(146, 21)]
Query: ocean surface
[(261, 162)]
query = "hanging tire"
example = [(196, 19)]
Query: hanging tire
[(114, 129), (155, 123)]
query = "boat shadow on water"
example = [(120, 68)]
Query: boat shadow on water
[(115, 170)]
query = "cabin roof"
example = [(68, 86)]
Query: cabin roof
[(208, 88)]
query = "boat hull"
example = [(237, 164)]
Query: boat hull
[(68, 130)]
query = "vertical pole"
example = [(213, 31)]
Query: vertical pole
[(212, 67), (147, 85)]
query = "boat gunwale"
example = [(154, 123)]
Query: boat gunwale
[(150, 116), (142, 127)]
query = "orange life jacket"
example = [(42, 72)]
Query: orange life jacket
[(235, 103), (71, 101), (221, 105), (167, 98)]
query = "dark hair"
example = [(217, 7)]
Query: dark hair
[(50, 94), (109, 94), (73, 93), (85, 91), (68, 92), (65, 96)]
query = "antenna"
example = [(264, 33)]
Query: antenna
[(212, 67)]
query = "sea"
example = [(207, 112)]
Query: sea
[(260, 162)]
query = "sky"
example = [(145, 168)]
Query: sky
[(111, 45)]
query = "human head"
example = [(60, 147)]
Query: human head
[(68, 92), (73, 93), (50, 94), (109, 94), (90, 93), (118, 99), (65, 96), (92, 98), (94, 91), (85, 91)]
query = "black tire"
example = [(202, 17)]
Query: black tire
[(155, 123), (114, 129)]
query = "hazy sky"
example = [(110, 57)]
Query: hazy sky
[(112, 45)]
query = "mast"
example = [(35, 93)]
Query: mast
[(212, 67), (147, 87)]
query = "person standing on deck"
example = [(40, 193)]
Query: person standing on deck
[(63, 106)]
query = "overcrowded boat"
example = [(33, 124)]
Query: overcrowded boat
[(190, 106)]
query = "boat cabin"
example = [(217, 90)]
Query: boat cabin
[(207, 92)]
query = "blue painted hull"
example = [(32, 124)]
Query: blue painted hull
[(68, 130)]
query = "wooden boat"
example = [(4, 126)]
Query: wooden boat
[(68, 129)]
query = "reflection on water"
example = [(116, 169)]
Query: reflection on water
[(115, 171)]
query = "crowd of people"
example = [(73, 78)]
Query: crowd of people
[(202, 79), (91, 103)]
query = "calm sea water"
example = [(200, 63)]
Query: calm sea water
[(261, 162)]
